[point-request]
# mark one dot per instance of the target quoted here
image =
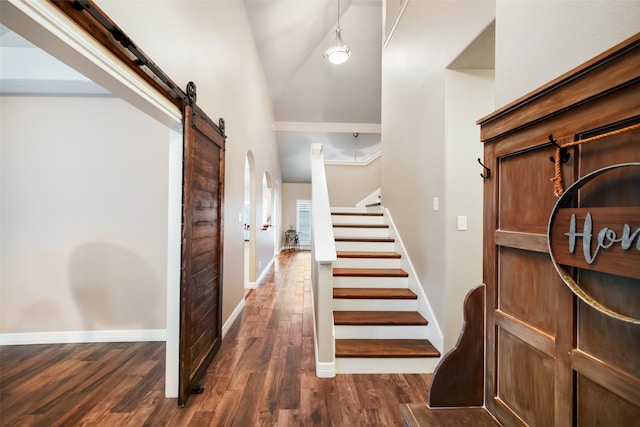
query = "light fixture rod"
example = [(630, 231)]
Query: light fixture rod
[(340, 52)]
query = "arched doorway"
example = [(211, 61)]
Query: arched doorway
[(249, 222)]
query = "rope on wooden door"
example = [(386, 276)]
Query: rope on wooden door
[(558, 187)]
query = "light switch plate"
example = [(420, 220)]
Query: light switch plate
[(462, 222)]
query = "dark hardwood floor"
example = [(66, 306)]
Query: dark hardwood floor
[(263, 375)]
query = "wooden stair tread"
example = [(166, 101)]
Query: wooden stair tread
[(385, 348), (369, 272), (358, 213), (373, 204), (389, 318), (373, 293), (361, 225), (365, 239), (364, 254)]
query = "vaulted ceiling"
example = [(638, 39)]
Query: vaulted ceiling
[(291, 37)]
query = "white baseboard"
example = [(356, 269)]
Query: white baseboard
[(323, 369), (254, 285), (72, 337), (236, 312)]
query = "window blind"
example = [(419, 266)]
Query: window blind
[(303, 221)]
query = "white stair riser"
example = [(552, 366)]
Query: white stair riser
[(340, 304), (393, 365), (353, 219), (365, 246), (368, 263), (360, 232), (409, 332), (370, 282), (357, 209)]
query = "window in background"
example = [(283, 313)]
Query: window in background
[(303, 221)]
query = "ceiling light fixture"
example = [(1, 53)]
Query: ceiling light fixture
[(339, 53)]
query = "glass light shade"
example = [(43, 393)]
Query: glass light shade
[(339, 53)]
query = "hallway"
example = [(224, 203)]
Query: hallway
[(263, 375)]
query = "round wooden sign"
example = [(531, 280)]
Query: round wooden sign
[(595, 227)]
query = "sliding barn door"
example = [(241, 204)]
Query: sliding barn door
[(201, 274)]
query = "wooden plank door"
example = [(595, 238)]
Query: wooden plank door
[(201, 273)]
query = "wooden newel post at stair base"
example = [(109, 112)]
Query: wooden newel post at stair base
[(459, 377)]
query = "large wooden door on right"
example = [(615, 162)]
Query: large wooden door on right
[(552, 359)]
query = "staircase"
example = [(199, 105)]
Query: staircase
[(378, 328)]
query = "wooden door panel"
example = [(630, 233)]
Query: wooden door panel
[(620, 148), (597, 406), (525, 200), (527, 288), (600, 336), (615, 292), (525, 380)]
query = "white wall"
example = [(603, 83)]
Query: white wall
[(429, 36), (469, 95), (350, 183), (83, 226), (290, 193), (210, 43), (537, 41)]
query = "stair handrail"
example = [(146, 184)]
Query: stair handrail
[(323, 252)]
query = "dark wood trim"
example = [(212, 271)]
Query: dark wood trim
[(489, 272)]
